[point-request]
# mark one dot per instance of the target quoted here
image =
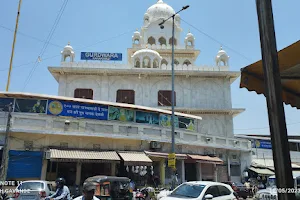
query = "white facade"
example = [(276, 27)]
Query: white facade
[(200, 90)]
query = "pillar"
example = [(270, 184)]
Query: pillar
[(215, 172), (113, 169), (162, 169), (228, 167), (44, 170), (78, 173), (199, 171), (182, 171)]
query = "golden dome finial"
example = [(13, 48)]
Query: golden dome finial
[(69, 43)]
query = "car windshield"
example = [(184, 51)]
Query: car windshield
[(31, 186), (188, 190)]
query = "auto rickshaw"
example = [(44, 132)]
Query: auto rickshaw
[(111, 187)]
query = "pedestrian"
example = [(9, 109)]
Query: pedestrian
[(88, 192)]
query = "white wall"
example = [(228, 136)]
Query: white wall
[(267, 154), (190, 92)]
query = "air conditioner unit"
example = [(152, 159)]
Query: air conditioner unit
[(155, 145)]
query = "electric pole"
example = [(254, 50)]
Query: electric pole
[(5, 155)]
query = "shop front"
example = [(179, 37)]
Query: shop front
[(137, 166), (161, 169), (77, 165), (206, 167)]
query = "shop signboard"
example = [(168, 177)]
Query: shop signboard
[(165, 120), (262, 144), (30, 105), (187, 123), (78, 110), (101, 56), (121, 114), (147, 117), (172, 160), (4, 104)]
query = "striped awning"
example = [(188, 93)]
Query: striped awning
[(165, 155), (262, 171), (135, 158), (206, 159), (83, 156)]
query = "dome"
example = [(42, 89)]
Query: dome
[(189, 34), (68, 47), (136, 33), (160, 10), (221, 51), (146, 52)]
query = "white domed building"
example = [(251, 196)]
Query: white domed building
[(205, 149)]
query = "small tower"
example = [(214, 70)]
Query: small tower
[(189, 41), (136, 39), (222, 57), (67, 52)]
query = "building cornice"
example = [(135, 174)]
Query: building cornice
[(58, 71), (195, 111)]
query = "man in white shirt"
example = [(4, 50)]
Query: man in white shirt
[(88, 192)]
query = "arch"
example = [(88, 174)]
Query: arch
[(176, 62), (170, 41), (190, 43), (162, 41), (155, 63), (136, 41), (187, 62), (146, 62), (164, 61), (67, 58), (151, 40), (137, 63)]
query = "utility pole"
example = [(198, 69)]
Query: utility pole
[(173, 89), (273, 93), (5, 155), (13, 47)]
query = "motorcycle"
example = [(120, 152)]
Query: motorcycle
[(142, 194)]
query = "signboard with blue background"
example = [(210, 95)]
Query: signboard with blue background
[(262, 144), (74, 109), (101, 56)]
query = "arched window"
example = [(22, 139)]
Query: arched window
[(190, 43), (125, 96), (170, 41), (155, 63), (176, 62), (187, 62), (146, 62), (162, 41), (151, 40), (137, 63), (136, 41), (164, 62)]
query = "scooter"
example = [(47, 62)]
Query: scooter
[(142, 194)]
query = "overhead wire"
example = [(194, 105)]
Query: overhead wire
[(215, 40), (47, 42), (30, 36)]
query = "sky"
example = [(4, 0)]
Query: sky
[(107, 26)]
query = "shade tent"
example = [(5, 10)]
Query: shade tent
[(252, 76)]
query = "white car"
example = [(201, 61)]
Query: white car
[(202, 190), (33, 190)]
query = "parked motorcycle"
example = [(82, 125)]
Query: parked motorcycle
[(142, 194)]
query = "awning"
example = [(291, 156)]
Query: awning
[(135, 158), (165, 155), (268, 163), (206, 159), (262, 171), (252, 76), (83, 156)]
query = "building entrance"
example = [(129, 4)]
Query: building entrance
[(190, 171), (94, 169)]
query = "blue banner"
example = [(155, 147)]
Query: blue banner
[(101, 56), (74, 109), (262, 144)]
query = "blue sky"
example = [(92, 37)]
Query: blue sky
[(96, 24)]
